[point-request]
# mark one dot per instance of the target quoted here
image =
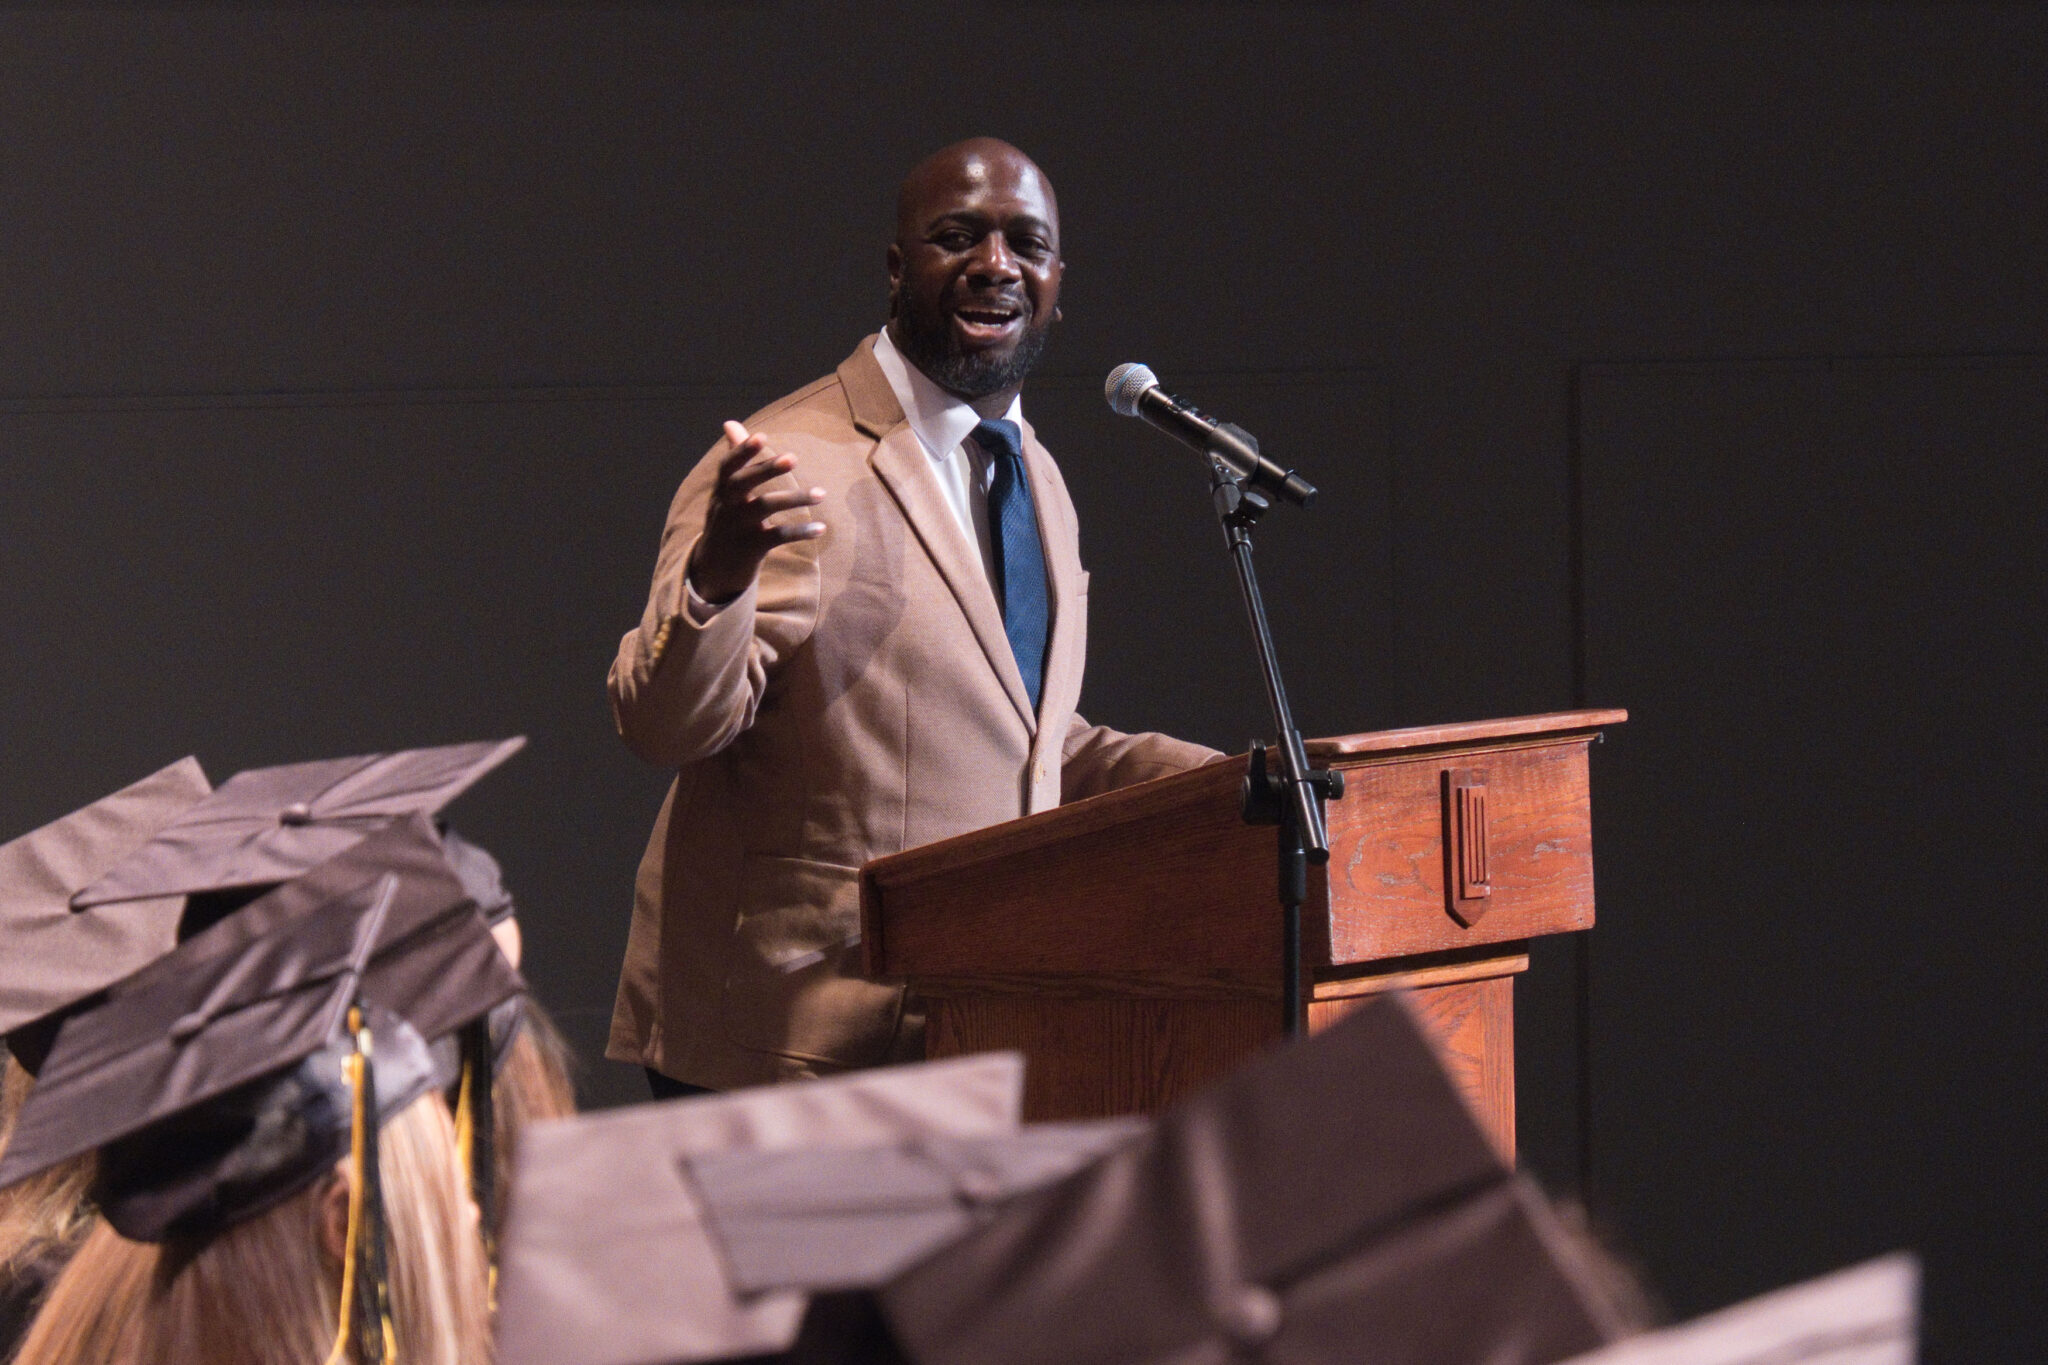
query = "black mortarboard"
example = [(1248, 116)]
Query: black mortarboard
[(167, 1049), (268, 825), (605, 1259), (1332, 1200), (54, 958), (191, 1041), (483, 881), (430, 965), (232, 1072), (849, 1218), (480, 875), (427, 965), (1865, 1315)]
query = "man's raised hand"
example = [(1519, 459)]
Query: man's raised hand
[(745, 521)]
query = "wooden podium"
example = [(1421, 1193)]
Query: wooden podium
[(1129, 944)]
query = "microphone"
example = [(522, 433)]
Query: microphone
[(1133, 391)]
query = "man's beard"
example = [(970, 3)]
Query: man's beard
[(929, 345)]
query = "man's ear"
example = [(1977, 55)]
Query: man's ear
[(895, 265), (333, 1215)]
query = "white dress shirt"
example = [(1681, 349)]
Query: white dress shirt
[(944, 425)]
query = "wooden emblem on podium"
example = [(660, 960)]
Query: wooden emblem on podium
[(1466, 887)]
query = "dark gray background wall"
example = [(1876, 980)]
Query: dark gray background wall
[(1687, 357)]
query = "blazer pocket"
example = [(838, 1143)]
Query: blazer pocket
[(793, 984)]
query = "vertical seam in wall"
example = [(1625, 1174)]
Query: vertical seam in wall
[(1582, 944), (1394, 708)]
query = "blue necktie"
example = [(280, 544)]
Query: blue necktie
[(1020, 560)]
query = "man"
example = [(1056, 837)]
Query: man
[(866, 633)]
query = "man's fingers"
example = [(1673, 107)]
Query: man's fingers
[(767, 467), (745, 446), (787, 498), (751, 463), (746, 520), (767, 530), (764, 536), (751, 460)]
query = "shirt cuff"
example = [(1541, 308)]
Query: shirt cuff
[(696, 608)]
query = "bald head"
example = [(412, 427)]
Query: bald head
[(961, 168), (974, 272)]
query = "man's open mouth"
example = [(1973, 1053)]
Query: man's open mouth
[(987, 323)]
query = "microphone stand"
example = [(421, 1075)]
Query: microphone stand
[(1293, 797)]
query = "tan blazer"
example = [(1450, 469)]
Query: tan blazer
[(859, 699)]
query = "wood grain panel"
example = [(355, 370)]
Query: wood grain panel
[(1473, 1023), (1089, 1058), (1128, 945), (1386, 878), (1170, 881), (1163, 880), (1164, 801)]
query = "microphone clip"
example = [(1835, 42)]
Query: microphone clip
[(1262, 796), (1239, 502)]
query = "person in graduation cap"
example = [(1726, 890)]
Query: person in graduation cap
[(866, 632), (278, 1173), (265, 826)]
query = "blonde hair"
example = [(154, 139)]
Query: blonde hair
[(534, 1083), (267, 1292), (45, 1217)]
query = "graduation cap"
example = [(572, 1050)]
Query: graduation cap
[(1865, 1315), (430, 964), (483, 881), (263, 990), (605, 1258), (233, 1072), (1333, 1200), (54, 958), (268, 825), (851, 1218), (480, 875), (483, 1046), (426, 964)]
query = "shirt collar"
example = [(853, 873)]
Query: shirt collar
[(940, 420)]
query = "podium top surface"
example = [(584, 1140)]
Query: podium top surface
[(1462, 732)]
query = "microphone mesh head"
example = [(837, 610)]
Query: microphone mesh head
[(1126, 384)]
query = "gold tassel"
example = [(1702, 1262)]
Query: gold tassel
[(352, 1067), (465, 1118), (356, 1068), (469, 1137)]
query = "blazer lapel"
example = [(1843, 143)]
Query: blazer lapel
[(900, 462)]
